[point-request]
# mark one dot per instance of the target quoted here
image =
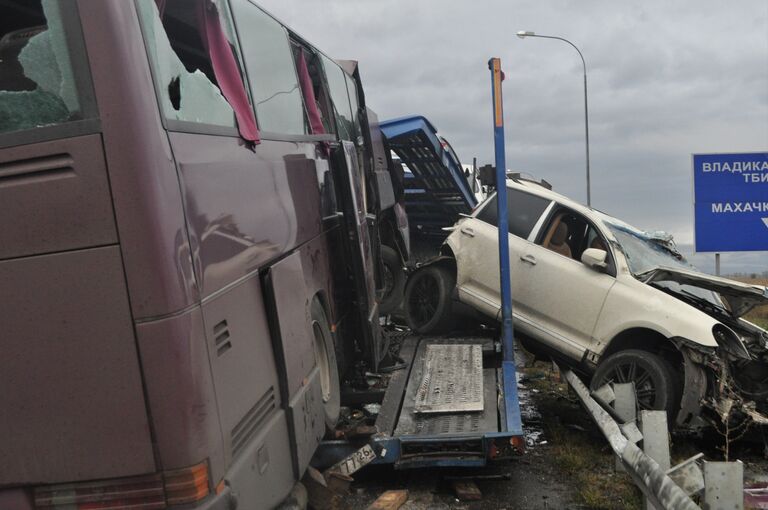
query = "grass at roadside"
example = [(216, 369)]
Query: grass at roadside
[(759, 315), (580, 451)]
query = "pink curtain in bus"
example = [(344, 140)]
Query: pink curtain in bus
[(315, 120), (226, 70)]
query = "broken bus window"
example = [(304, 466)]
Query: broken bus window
[(43, 73), (183, 70)]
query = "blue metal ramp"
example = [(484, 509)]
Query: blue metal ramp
[(436, 190)]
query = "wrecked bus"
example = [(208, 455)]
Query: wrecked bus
[(187, 260)]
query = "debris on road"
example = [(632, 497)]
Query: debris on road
[(756, 497), (390, 500), (339, 483), (466, 490), (319, 495)]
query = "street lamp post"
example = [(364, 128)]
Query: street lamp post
[(522, 35)]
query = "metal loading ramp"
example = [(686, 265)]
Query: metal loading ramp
[(449, 393), (452, 379), (436, 191)]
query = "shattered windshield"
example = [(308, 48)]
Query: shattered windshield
[(645, 251), (43, 74)]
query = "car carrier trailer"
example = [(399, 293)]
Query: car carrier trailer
[(446, 403)]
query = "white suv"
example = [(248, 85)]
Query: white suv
[(613, 302)]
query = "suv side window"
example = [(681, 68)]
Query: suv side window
[(523, 210), (271, 71), (488, 213), (570, 234)]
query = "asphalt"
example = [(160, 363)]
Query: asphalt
[(533, 484)]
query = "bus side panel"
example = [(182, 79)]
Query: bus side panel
[(243, 365), (54, 196), (292, 291), (244, 208), (145, 186), (71, 400), (262, 476), (179, 385)]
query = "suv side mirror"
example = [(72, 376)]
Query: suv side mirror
[(595, 258)]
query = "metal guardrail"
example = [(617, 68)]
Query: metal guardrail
[(652, 480)]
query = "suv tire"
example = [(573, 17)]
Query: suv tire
[(656, 382), (428, 300)]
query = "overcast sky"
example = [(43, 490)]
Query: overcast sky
[(666, 79)]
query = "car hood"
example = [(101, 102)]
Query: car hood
[(741, 297)]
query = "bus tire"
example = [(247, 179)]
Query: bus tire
[(394, 280), (428, 300), (325, 357)]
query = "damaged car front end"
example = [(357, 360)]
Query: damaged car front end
[(726, 384), (720, 389)]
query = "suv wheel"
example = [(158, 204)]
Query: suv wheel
[(428, 299), (656, 383)]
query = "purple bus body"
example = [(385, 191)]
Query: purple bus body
[(151, 284)]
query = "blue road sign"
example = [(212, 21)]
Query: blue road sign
[(731, 201)]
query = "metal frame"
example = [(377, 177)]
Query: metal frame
[(390, 448)]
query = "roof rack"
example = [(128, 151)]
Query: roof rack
[(518, 176)]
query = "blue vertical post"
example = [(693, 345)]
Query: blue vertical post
[(507, 328), (509, 374)]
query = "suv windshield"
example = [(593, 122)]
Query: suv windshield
[(43, 74), (644, 252)]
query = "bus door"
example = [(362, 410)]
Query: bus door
[(351, 196), (357, 245)]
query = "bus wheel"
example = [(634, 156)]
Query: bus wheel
[(394, 280), (325, 356), (427, 300)]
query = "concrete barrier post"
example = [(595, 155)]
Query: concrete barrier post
[(653, 425), (723, 485)]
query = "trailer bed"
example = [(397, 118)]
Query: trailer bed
[(408, 437)]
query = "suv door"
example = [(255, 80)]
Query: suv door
[(562, 296), (475, 245)]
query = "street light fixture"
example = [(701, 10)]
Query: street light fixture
[(522, 34)]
